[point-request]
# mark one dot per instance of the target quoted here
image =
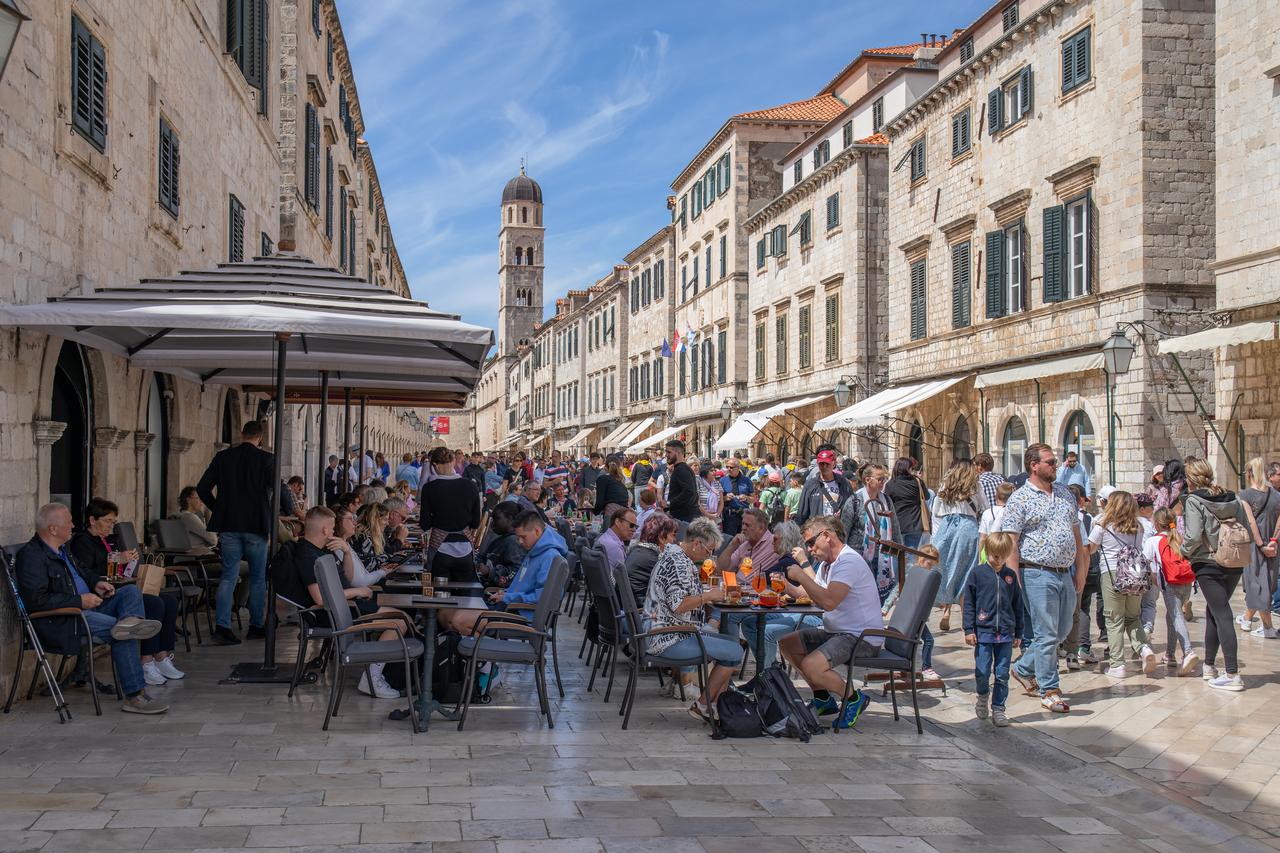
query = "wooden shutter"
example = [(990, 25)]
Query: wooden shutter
[(1092, 240), (1055, 254), (780, 342), (780, 241), (235, 31), (995, 275), (342, 225), (995, 111), (635, 295), (328, 191), (919, 305), (1026, 92), (311, 167), (693, 367), (169, 195), (847, 134), (806, 352), (660, 278), (760, 354), (88, 85), (315, 17), (760, 253), (1068, 64), (328, 46), (833, 210), (351, 246), (959, 133), (268, 246), (1084, 59), (833, 327), (722, 365), (235, 231), (961, 286)]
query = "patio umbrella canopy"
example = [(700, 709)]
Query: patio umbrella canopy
[(220, 326)]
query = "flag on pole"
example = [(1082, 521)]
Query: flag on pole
[(676, 343), (666, 349)]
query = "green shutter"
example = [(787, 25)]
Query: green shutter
[(995, 111), (995, 275), (1027, 93), (1055, 255), (961, 286), (722, 365), (760, 253), (235, 31), (235, 231), (1084, 61), (168, 173), (833, 327), (328, 191), (806, 354), (724, 183), (919, 304), (1068, 65)]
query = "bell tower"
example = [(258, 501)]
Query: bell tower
[(520, 262)]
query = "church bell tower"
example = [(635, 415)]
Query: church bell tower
[(520, 263)]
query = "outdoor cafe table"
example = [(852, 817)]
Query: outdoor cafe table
[(408, 601), (747, 609), (460, 587)]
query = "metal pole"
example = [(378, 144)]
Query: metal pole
[(346, 439), (269, 648), (360, 467), (1111, 428), (324, 435)]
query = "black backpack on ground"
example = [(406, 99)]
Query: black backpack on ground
[(737, 715), (766, 705), (449, 672)]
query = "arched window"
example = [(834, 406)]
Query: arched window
[(537, 216), (1014, 443), (784, 452), (961, 439), (158, 451), (1078, 435), (524, 214), (229, 431), (511, 214), (529, 256), (519, 256), (915, 443), (70, 460)]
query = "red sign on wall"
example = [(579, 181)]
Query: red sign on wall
[(440, 424)]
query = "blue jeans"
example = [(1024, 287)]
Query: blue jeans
[(721, 649), (985, 657), (926, 649), (1275, 601), (1148, 611), (1051, 598), (252, 548), (125, 654), (776, 626)]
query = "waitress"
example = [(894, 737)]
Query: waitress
[(450, 505)]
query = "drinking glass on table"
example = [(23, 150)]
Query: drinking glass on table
[(758, 582), (779, 586)]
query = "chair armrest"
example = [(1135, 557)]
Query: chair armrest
[(371, 626), (497, 616), (670, 629), (514, 628), (59, 611), (522, 605), (386, 614), (888, 633)]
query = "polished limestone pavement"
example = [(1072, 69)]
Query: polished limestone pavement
[(234, 767)]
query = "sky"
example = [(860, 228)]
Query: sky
[(607, 100)]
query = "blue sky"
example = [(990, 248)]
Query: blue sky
[(609, 101)]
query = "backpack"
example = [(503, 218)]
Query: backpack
[(280, 570), (737, 715), (1235, 541), (775, 508), (1131, 574), (1175, 567), (782, 712)]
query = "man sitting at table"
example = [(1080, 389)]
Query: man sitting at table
[(500, 554), (396, 533), (614, 541), (844, 587), (543, 545), (755, 541)]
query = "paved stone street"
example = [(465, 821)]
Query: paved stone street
[(234, 767)]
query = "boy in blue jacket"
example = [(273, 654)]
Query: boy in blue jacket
[(993, 625)]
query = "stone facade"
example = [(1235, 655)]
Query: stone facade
[(650, 321), (75, 216), (1100, 148)]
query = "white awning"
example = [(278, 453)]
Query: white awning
[(1226, 336), (634, 433), (508, 441), (1039, 370), (873, 409), (579, 437), (657, 440), (744, 430), (611, 440)]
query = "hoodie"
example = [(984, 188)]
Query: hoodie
[(528, 582), (1203, 515)]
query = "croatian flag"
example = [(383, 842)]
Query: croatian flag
[(677, 344)]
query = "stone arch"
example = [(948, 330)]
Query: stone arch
[(1004, 416), (1057, 437), (68, 411)]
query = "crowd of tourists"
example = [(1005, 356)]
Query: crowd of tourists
[(1040, 573)]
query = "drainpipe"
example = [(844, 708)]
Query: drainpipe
[(868, 304), (1040, 410), (982, 411)]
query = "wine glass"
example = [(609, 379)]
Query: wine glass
[(779, 586), (758, 582)]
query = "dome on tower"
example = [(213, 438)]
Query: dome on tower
[(522, 188)]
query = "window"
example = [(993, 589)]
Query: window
[(961, 439), (1009, 17), (684, 209), (724, 255), (660, 280), (684, 373), (797, 171), (168, 169), (833, 327), (709, 279), (311, 161), (778, 241), (833, 210), (328, 49), (268, 246), (1068, 249), (760, 333), (919, 306), (806, 353), (918, 170), (877, 114), (659, 371), (351, 246), (1011, 103), (966, 50), (780, 341), (722, 340), (803, 230), (635, 295), (1006, 293), (708, 363), (684, 282), (960, 133), (961, 285), (342, 223), (88, 85), (646, 288), (1014, 441), (725, 169), (1078, 437), (315, 17), (247, 39), (693, 367), (524, 215), (1077, 65), (760, 253), (235, 231), (696, 192), (821, 153), (846, 133)]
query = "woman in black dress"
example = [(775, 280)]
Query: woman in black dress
[(450, 506)]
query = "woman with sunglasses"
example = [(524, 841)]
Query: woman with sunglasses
[(676, 600)]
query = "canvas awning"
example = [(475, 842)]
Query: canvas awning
[(1040, 370), (657, 440), (1225, 336), (508, 441), (580, 437), (875, 408), (635, 432), (221, 326), (611, 440), (744, 430)]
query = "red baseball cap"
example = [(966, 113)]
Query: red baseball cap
[(827, 456)]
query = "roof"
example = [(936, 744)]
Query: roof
[(897, 51), (824, 107), (874, 139), (522, 188)]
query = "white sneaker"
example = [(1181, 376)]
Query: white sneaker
[(151, 674), (168, 670), (1189, 663), (1149, 661), (1209, 673), (1245, 624), (1264, 631), (1232, 683), (1116, 671), (381, 689)]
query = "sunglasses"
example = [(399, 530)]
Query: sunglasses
[(630, 524), (810, 542), (1049, 461)]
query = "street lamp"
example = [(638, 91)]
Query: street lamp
[(727, 407), (10, 22), (843, 392), (1117, 354)]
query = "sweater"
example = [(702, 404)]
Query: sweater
[(527, 585), (683, 500), (993, 605)]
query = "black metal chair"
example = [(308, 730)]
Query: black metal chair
[(354, 650), (902, 637), (173, 543), (312, 628), (508, 638), (610, 630)]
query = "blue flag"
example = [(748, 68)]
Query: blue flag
[(666, 349)]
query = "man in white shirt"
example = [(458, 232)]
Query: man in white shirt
[(844, 587)]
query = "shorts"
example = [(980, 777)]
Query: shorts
[(838, 649)]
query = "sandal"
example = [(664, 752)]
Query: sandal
[(944, 624), (698, 713), (1055, 702), (1029, 685)]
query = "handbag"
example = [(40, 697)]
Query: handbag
[(926, 520)]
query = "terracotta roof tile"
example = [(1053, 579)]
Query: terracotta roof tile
[(874, 139), (822, 108)]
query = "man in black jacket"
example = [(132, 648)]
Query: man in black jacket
[(332, 481), (824, 494), (237, 489), (682, 495), (49, 578)]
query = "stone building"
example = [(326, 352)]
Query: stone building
[(1053, 187), (167, 152), (650, 321), (735, 174)]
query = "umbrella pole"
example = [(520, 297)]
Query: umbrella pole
[(346, 439), (363, 402), (324, 434), (267, 672)]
